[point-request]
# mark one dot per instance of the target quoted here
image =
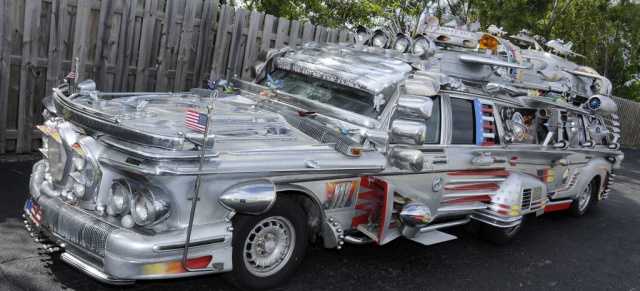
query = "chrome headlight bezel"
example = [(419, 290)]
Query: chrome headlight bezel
[(423, 47), (363, 35), (402, 39), (147, 210), (380, 39), (120, 196)]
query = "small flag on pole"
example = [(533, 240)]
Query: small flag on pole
[(478, 23), (71, 75), (468, 20), (196, 120), (443, 17)]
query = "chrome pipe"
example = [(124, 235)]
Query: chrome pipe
[(445, 225), (358, 240)]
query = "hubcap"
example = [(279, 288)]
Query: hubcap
[(269, 246), (583, 199), (511, 230)]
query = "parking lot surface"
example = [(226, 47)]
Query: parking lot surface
[(599, 251)]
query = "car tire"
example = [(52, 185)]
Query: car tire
[(585, 199), (501, 235), (268, 248)]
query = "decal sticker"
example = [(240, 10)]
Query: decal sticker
[(546, 175)]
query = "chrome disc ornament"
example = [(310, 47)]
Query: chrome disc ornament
[(437, 184), (583, 198), (269, 246)]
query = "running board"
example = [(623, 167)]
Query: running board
[(432, 237), (94, 272)]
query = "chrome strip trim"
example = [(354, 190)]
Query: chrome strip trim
[(549, 202), (180, 246), (495, 220), (445, 225), (94, 272), (153, 153), (467, 58), (157, 171)]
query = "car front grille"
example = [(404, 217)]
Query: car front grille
[(75, 225)]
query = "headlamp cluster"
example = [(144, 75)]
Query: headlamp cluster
[(146, 209), (420, 46)]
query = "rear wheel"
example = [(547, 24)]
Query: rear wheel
[(581, 204), (501, 235), (268, 248)]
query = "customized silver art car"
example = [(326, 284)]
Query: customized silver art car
[(391, 137)]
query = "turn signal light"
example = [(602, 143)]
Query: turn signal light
[(488, 42)]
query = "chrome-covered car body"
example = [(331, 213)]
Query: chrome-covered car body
[(364, 139)]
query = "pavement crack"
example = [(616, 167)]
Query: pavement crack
[(18, 259)]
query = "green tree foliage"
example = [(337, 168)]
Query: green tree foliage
[(606, 32)]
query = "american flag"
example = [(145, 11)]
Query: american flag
[(71, 75), (443, 17), (196, 120), (34, 214), (468, 20), (478, 23)]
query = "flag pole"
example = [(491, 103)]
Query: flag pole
[(185, 253)]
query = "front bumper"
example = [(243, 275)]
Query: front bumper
[(101, 248)]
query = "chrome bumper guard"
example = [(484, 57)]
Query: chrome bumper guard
[(93, 271), (496, 220)]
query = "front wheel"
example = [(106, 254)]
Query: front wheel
[(580, 205), (501, 235), (268, 248)]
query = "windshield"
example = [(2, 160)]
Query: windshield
[(334, 94)]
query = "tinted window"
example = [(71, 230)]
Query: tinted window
[(433, 123), (463, 121), (334, 94)]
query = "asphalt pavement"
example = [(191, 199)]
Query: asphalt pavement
[(599, 251)]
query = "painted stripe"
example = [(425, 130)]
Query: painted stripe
[(469, 199), (486, 186), (557, 207), (480, 173)]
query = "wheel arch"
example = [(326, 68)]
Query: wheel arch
[(309, 203)]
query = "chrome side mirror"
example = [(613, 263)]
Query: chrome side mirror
[(407, 159), (379, 139), (415, 107), (408, 132)]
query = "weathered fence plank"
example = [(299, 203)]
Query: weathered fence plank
[(234, 65), (282, 33), (184, 50), (54, 63), (221, 50), (80, 42), (124, 47), (267, 31), (307, 33), (6, 21), (27, 76), (148, 25), (294, 35), (204, 42), (166, 46), (251, 55)]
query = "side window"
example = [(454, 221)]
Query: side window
[(433, 123), (463, 128), (532, 131)]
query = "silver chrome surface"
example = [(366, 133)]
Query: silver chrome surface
[(94, 272), (250, 197)]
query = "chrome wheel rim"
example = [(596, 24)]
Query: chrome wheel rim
[(269, 246), (583, 199)]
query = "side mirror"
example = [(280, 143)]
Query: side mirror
[(407, 159), (415, 107), (408, 132), (87, 85)]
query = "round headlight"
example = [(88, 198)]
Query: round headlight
[(380, 39), (423, 47), (402, 44), (148, 211), (120, 198), (142, 209), (363, 35)]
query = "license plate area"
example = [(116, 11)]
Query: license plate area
[(33, 213)]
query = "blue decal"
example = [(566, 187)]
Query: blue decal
[(477, 108)]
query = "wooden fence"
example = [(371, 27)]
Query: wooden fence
[(127, 45), (142, 45)]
